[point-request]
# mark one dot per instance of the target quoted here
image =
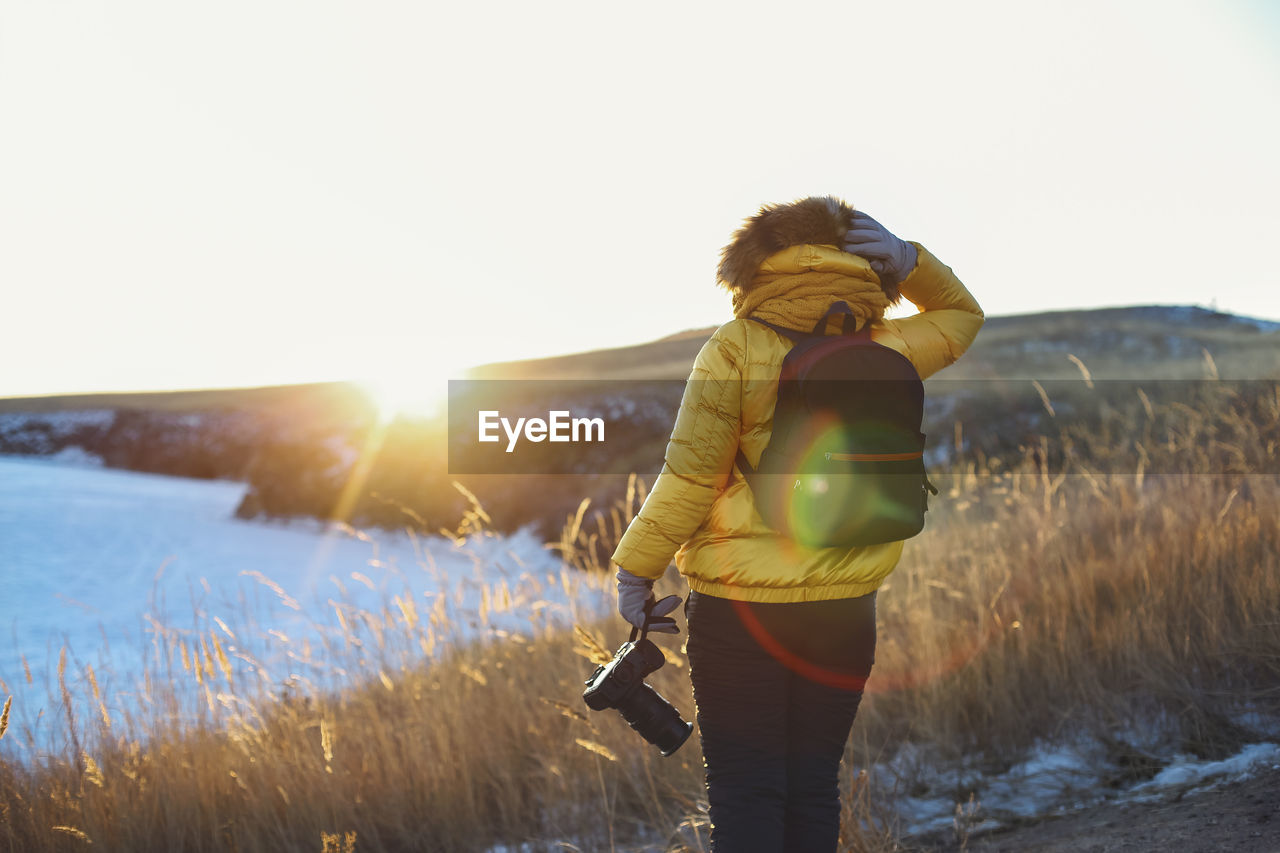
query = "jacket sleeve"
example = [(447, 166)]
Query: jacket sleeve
[(699, 458), (949, 317)]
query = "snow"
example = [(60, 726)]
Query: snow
[(41, 432), (1186, 772), (117, 566), (1256, 722), (1052, 779), (60, 423), (72, 454), (1048, 776)]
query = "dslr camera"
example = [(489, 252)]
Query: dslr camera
[(620, 684)]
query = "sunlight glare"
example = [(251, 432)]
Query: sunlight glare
[(415, 391)]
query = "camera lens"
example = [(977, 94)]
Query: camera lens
[(656, 720)]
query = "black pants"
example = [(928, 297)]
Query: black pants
[(777, 687)]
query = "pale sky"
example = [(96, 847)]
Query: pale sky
[(243, 193)]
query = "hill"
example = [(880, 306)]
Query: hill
[(327, 399), (1137, 342), (302, 448)]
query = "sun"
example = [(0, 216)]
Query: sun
[(411, 391)]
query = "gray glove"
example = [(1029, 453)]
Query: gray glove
[(891, 258), (635, 594)]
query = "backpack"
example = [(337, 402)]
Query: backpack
[(844, 466)]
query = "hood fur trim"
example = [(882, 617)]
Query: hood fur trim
[(821, 220)]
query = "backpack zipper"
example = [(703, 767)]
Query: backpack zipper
[(873, 457)]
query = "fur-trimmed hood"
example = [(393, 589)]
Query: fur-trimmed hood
[(817, 220)]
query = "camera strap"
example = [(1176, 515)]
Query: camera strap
[(643, 632)]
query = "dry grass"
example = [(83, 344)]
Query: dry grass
[(1040, 603)]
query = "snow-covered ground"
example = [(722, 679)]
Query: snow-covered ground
[(43, 432), (1053, 779), (116, 566)]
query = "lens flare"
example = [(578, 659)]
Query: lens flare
[(959, 655), (791, 660)]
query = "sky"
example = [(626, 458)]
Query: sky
[(249, 193)]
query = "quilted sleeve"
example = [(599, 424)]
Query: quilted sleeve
[(949, 317), (699, 457)]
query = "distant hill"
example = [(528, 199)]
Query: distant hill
[(209, 433), (1143, 341), (322, 399), (299, 447), (666, 358), (1138, 342)]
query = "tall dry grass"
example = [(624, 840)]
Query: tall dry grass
[(1054, 594)]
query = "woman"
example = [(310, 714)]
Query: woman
[(781, 637)]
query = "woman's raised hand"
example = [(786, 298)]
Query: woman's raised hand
[(891, 258)]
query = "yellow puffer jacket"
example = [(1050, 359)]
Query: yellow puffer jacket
[(700, 509)]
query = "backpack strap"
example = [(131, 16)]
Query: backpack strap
[(841, 307), (782, 330), (849, 323), (850, 319)]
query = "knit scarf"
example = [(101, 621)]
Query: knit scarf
[(799, 300)]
